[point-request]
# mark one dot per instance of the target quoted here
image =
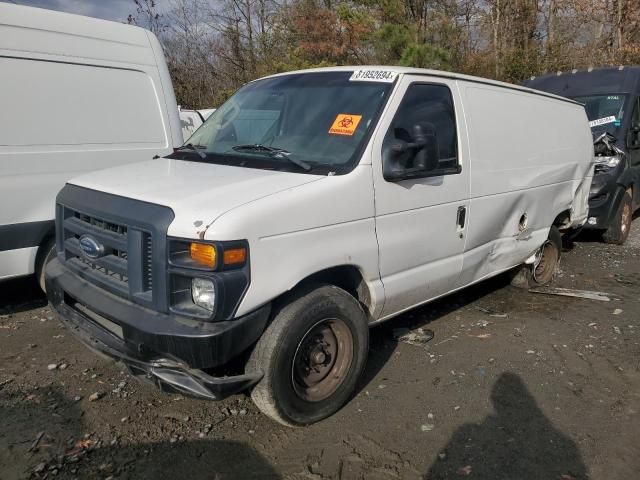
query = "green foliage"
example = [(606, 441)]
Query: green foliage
[(390, 41), (298, 62), (519, 64), (425, 56)]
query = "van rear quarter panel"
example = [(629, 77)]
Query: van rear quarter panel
[(529, 156)]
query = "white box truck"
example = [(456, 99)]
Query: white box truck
[(310, 206), (77, 94)]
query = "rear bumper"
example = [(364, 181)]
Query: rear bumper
[(172, 351)]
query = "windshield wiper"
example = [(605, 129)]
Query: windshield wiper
[(190, 147), (273, 152)]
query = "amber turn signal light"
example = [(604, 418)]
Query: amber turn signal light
[(203, 253), (235, 256)]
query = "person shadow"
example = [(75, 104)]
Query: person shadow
[(517, 442)]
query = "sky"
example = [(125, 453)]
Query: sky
[(116, 10)]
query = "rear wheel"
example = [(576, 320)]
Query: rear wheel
[(312, 355), (543, 268), (618, 232), (46, 253)]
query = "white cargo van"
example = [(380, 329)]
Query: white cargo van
[(77, 94), (309, 206)]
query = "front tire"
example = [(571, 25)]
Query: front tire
[(618, 232), (46, 253), (312, 355)]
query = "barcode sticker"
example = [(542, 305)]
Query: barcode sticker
[(371, 75)]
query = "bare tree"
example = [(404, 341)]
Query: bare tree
[(147, 16)]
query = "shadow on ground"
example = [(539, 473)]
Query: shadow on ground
[(20, 294), (516, 442), (66, 450)]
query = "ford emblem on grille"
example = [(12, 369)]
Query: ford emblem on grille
[(90, 247)]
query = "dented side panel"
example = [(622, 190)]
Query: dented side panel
[(530, 161)]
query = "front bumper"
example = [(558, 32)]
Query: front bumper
[(604, 200), (169, 350)]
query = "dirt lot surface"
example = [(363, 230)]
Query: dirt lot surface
[(514, 385)]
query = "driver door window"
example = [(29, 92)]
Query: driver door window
[(424, 121)]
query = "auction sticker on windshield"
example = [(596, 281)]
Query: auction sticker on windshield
[(371, 75), (345, 124), (602, 121)]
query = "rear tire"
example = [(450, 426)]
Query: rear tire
[(46, 253), (312, 355), (543, 270), (618, 232)]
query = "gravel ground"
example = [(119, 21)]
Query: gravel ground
[(514, 385)]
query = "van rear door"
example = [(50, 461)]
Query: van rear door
[(421, 218)]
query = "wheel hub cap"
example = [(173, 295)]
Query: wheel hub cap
[(322, 360)]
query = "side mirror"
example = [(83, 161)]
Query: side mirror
[(412, 159)]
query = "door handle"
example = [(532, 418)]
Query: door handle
[(462, 217)]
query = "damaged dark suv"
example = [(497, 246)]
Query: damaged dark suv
[(611, 97)]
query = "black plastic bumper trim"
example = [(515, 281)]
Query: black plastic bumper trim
[(149, 334), (166, 373), (606, 212)]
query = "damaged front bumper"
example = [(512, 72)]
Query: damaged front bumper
[(90, 322), (604, 201)]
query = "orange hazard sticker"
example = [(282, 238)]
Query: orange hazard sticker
[(345, 124)]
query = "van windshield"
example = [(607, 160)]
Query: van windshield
[(604, 112), (310, 122)]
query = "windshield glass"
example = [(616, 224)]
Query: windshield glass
[(605, 112), (310, 121)]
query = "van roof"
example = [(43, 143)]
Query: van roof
[(431, 73), (47, 32), (592, 81)]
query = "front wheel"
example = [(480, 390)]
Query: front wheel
[(618, 232), (46, 253), (312, 355)]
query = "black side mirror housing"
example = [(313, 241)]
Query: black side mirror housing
[(412, 159)]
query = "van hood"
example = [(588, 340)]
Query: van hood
[(197, 192)]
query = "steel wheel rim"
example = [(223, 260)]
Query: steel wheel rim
[(626, 217), (322, 360), (544, 268)]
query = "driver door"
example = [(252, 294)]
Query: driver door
[(421, 219)]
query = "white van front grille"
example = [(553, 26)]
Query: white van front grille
[(111, 266)]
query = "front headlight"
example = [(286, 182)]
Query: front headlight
[(203, 293), (608, 161)]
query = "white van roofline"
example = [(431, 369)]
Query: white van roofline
[(117, 41), (430, 73)]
